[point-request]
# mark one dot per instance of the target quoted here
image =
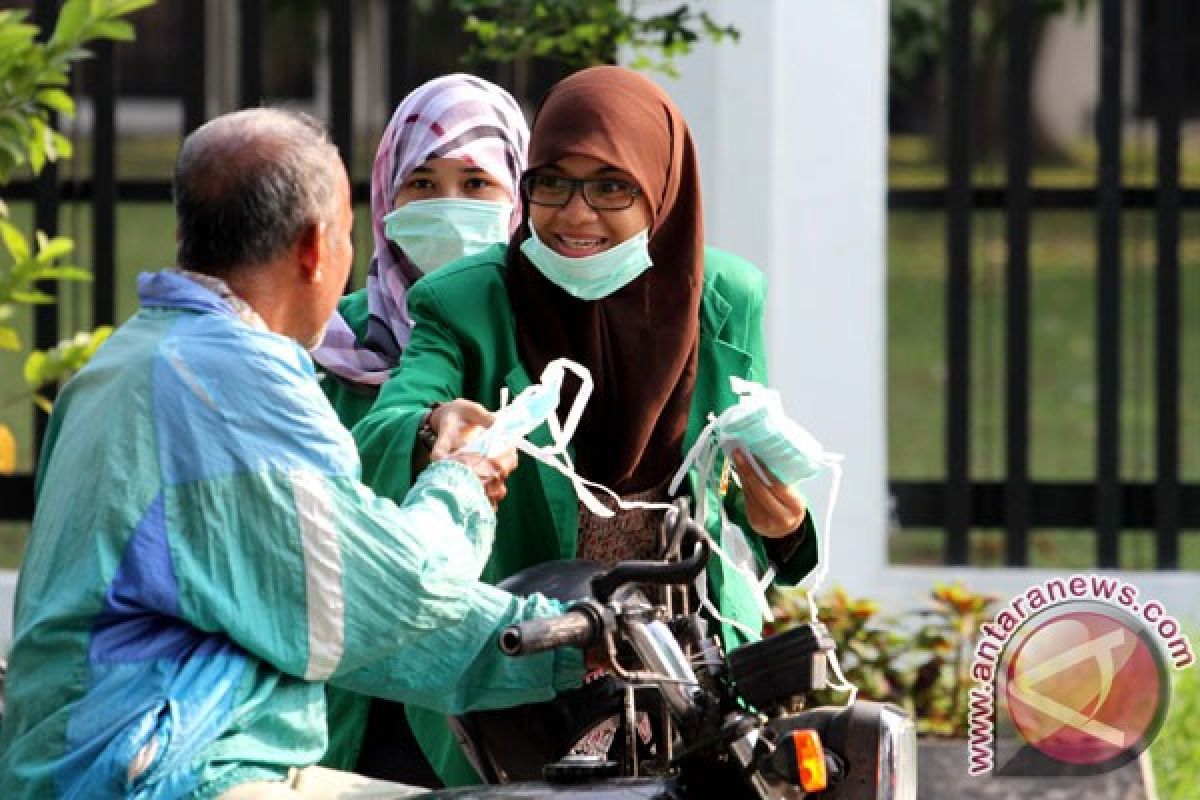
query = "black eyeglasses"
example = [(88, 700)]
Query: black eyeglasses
[(602, 194)]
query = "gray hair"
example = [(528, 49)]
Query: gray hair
[(248, 183)]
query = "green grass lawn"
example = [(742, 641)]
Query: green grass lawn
[(1063, 398), (1174, 751)]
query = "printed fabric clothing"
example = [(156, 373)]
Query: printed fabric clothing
[(455, 116), (203, 559), (464, 345)]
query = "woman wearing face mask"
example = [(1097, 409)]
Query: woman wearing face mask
[(443, 186), (609, 269)]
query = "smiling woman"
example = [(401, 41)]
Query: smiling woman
[(609, 269)]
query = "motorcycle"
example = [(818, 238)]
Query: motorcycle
[(670, 716)]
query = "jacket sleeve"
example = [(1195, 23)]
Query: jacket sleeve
[(431, 372), (276, 544)]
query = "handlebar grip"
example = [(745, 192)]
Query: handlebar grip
[(575, 628)]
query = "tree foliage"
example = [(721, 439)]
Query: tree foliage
[(34, 76), (583, 33), (918, 31)]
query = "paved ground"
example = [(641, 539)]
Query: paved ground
[(942, 776)]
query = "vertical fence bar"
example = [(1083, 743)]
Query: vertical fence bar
[(250, 36), (399, 54), (1108, 288), (958, 286), (341, 79), (1016, 489), (45, 219), (104, 184), (1169, 101), (193, 66)]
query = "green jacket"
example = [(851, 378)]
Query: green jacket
[(464, 345)]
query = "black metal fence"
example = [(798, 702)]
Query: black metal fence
[(1018, 504), (956, 503)]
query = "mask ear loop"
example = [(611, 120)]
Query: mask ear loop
[(557, 457), (833, 462), (703, 454)]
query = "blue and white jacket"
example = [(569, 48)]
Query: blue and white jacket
[(203, 558)]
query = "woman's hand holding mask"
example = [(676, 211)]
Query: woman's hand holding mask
[(773, 509), (458, 422)]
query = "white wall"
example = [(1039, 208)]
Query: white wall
[(790, 124)]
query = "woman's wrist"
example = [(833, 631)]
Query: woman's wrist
[(426, 433)]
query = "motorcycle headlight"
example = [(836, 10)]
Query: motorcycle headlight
[(897, 763), (876, 743)]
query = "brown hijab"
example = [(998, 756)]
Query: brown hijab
[(639, 342)]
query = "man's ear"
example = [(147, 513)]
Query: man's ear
[(309, 251)]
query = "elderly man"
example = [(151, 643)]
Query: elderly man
[(203, 558)]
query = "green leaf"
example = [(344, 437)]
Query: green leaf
[(37, 145), (35, 366), (123, 7), (62, 145), (72, 20), (14, 241), (33, 297), (63, 274), (9, 340), (50, 249), (56, 100), (116, 29)]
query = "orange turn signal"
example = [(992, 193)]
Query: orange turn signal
[(810, 760)]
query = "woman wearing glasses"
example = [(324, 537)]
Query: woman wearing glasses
[(608, 268)]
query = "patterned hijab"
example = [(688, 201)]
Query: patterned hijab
[(640, 342), (454, 116)]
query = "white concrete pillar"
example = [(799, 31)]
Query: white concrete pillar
[(791, 126)]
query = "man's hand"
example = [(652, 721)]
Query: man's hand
[(773, 509), (458, 422)]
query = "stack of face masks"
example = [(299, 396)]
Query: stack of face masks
[(759, 426)]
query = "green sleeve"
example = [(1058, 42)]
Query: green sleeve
[(430, 372)]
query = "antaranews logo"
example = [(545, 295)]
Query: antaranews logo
[(1072, 678)]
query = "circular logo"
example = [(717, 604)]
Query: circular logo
[(1087, 686)]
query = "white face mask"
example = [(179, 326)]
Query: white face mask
[(591, 277), (758, 426), (432, 233)]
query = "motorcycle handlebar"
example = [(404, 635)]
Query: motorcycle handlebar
[(580, 627), (656, 572)]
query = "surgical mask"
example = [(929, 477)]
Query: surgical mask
[(758, 426), (591, 277), (432, 233)]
